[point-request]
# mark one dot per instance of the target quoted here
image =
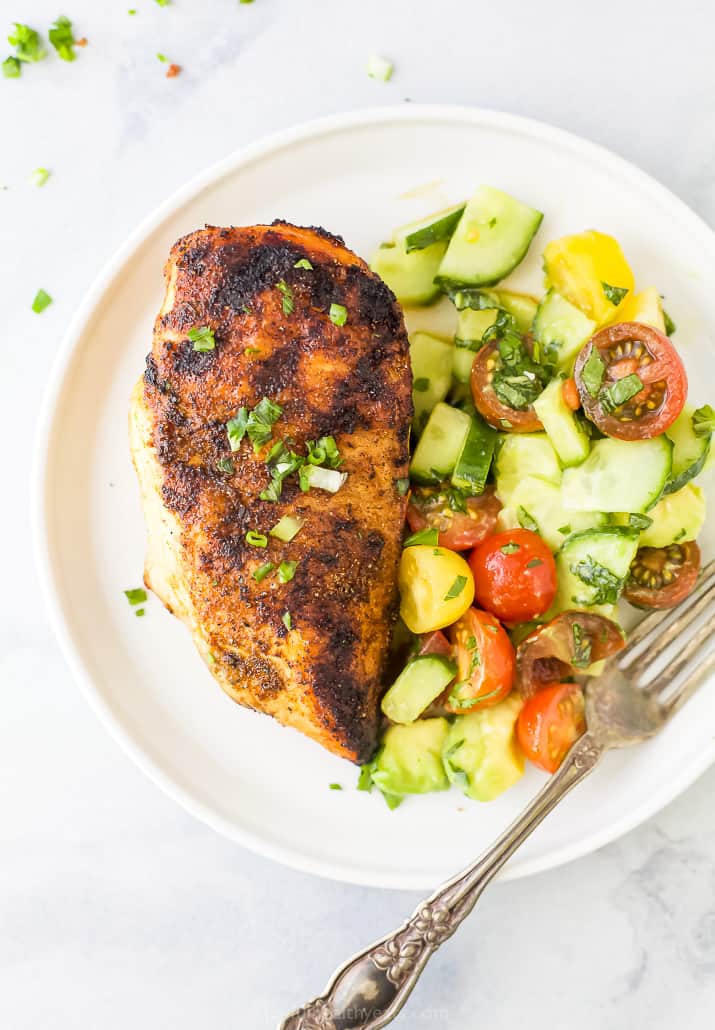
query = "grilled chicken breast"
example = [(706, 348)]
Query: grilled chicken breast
[(266, 293)]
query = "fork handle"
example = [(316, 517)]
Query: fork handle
[(371, 988)]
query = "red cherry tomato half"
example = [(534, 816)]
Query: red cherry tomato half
[(485, 663), (549, 723), (487, 364), (514, 575), (434, 643), (461, 523), (564, 647), (631, 382), (662, 577)]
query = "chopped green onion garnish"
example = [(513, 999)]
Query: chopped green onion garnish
[(287, 621), (140, 611), (324, 452), (314, 477), (338, 314), (236, 428), (287, 296), (365, 778), (286, 528), (137, 595), (62, 38), (456, 589), (225, 465), (379, 68), (425, 537), (264, 570), (286, 571), (40, 176), (202, 338), (303, 263), (260, 422), (42, 300), (11, 68), (254, 539), (28, 47)]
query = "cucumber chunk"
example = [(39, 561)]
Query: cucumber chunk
[(481, 754), (472, 468), (440, 445), (619, 475), (410, 276), (521, 306), (536, 500), (570, 440), (676, 518), (491, 239), (431, 359), (690, 451), (521, 455), (592, 568), (434, 229), (471, 326), (561, 330), (410, 759), (417, 686)]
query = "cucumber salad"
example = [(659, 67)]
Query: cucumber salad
[(552, 474)]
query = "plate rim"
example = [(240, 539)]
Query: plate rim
[(40, 516)]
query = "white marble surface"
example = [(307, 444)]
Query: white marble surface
[(116, 909)]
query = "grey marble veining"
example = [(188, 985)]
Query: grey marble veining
[(116, 909)]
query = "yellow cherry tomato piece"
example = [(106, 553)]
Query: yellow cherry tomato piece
[(436, 587), (645, 307), (585, 269)]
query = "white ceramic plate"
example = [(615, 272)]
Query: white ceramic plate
[(267, 787)]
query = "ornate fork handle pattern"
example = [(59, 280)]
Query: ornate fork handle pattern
[(371, 988)]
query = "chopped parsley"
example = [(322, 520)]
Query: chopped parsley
[(593, 372), (564, 530), (421, 385), (518, 379), (254, 539), (287, 621), (260, 422), (137, 595), (614, 293), (139, 612), (202, 338), (42, 300), (670, 326), (510, 548), (303, 263), (11, 68), (262, 571), (456, 589), (428, 537), (40, 176), (62, 38), (607, 586), (679, 536), (236, 428), (703, 420), (613, 396), (338, 314), (286, 297), (335, 786), (286, 571), (28, 47), (526, 520), (581, 656), (225, 465)]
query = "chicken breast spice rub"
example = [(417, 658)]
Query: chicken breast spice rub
[(277, 396)]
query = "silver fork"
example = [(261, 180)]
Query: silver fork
[(639, 691)]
